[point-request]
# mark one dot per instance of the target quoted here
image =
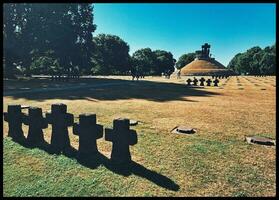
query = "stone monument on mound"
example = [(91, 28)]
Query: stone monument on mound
[(205, 65)]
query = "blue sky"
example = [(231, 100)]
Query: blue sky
[(182, 27)]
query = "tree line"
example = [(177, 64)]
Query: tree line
[(56, 39), (47, 38), (255, 61)]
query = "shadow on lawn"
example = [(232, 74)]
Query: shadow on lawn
[(116, 89), (95, 161)]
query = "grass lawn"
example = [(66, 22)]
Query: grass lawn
[(216, 161)]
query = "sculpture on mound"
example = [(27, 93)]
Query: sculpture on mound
[(204, 53), (204, 64)]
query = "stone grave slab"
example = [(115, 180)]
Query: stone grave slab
[(260, 140), (183, 130)]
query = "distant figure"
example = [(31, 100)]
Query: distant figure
[(178, 74)]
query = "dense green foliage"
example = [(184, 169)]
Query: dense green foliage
[(255, 61), (184, 60), (57, 39), (111, 55), (148, 62), (31, 31)]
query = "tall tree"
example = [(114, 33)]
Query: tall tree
[(111, 55), (255, 61), (31, 30), (11, 37), (143, 61), (184, 60), (164, 62)]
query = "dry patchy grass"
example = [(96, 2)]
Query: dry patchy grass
[(213, 162)]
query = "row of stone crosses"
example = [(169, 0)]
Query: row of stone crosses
[(202, 80), (87, 129)]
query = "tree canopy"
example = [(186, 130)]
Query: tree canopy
[(184, 60), (57, 39), (33, 30), (148, 62), (111, 55), (255, 61)]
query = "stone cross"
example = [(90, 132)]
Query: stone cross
[(208, 82), (195, 81), (60, 120), (88, 132), (205, 50), (216, 81), (36, 123), (189, 81), (202, 81), (122, 137), (15, 118)]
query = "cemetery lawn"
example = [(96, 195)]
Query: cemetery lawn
[(215, 161)]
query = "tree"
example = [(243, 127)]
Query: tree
[(255, 61), (233, 64), (82, 17), (45, 64), (268, 64), (184, 60), (143, 62), (32, 30), (111, 55), (164, 62), (11, 37)]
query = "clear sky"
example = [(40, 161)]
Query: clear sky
[(183, 27)]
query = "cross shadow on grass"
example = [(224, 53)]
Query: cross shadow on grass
[(117, 89), (129, 169), (94, 161)]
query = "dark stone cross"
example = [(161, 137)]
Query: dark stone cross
[(88, 132), (195, 81), (36, 123), (15, 118), (208, 82), (189, 81), (205, 50), (122, 137), (216, 81), (60, 120), (202, 81)]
